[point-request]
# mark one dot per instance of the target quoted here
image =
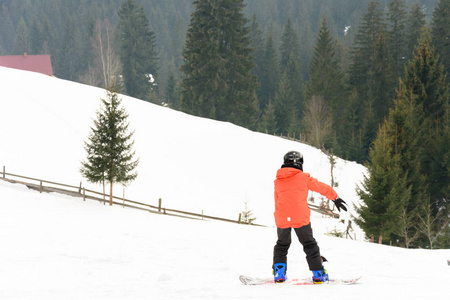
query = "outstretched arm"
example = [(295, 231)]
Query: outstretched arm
[(321, 188), (327, 191)]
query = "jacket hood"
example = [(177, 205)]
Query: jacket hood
[(287, 172)]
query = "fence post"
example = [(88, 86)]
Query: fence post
[(159, 205), (4, 172), (79, 190), (40, 187), (239, 220), (84, 194)]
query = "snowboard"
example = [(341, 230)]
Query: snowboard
[(247, 280)]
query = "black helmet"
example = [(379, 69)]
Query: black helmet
[(294, 159)]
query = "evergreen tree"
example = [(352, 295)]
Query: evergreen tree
[(293, 81), (370, 64), (8, 32), (305, 47), (218, 81), (257, 43), (22, 40), (404, 125), (326, 78), (381, 79), (415, 22), (397, 35), (48, 38), (35, 40), (269, 119), (363, 50), (246, 216), (178, 35), (270, 74), (110, 156), (289, 45), (296, 87), (172, 93), (137, 51), (324, 74), (441, 32), (368, 129), (68, 63), (87, 51), (351, 131), (283, 105), (384, 192), (42, 40), (425, 79)]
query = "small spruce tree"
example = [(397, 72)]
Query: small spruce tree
[(385, 192), (247, 214), (110, 157)]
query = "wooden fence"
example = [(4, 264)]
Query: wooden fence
[(81, 192), (296, 137)]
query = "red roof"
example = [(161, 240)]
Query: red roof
[(35, 63)]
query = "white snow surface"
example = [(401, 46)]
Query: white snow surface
[(59, 247)]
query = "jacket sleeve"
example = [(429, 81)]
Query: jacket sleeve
[(322, 188)]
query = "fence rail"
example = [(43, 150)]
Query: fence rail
[(81, 192)]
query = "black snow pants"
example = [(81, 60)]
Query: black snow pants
[(306, 238)]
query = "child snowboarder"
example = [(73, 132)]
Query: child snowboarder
[(292, 211)]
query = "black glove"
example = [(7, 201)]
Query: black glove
[(340, 204)]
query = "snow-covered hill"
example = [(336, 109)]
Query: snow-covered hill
[(192, 163), (59, 247)]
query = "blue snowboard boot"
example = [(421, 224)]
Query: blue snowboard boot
[(279, 272), (320, 276)]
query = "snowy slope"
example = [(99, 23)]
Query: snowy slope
[(56, 247), (192, 163)]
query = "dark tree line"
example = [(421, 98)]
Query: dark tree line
[(53, 27), (406, 196)]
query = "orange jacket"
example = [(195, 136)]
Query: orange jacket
[(291, 193)]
